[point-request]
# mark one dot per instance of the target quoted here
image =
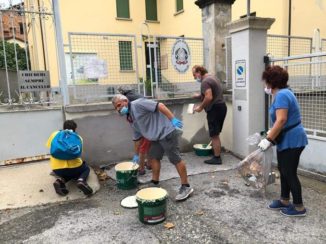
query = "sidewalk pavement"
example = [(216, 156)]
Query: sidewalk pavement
[(222, 209), (30, 184)]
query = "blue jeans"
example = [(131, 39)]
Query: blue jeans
[(68, 174)]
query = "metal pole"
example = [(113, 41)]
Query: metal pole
[(156, 66), (248, 8), (61, 52), (5, 58), (136, 62), (35, 48), (24, 30)]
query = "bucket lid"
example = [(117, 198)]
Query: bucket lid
[(129, 202), (126, 166), (151, 194)]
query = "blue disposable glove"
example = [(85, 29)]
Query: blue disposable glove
[(135, 159), (176, 123)]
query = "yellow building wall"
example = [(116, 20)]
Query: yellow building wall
[(306, 15), (100, 16)]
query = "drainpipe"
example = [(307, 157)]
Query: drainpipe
[(289, 27)]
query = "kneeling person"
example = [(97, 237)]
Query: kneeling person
[(69, 169)]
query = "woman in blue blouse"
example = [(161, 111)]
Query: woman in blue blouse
[(285, 115)]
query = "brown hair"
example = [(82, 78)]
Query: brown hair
[(276, 77), (200, 69)]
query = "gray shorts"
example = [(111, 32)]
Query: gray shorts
[(169, 145)]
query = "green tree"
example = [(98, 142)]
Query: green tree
[(10, 55)]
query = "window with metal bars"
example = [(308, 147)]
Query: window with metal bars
[(123, 9), (151, 10), (125, 55)]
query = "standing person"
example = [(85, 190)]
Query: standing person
[(142, 145), (157, 123), (212, 102), (289, 135), (66, 170)]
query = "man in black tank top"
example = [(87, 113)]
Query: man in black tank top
[(212, 101)]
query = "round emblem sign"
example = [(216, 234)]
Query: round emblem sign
[(181, 56)]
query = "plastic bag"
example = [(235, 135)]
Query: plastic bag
[(257, 166)]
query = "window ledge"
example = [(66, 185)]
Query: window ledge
[(127, 71), (179, 12), (124, 19), (152, 21)]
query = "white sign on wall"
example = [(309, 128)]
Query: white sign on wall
[(33, 81), (181, 58), (96, 68), (240, 73)]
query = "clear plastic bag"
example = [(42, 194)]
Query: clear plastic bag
[(256, 168)]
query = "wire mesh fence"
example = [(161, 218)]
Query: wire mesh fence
[(323, 45), (307, 79), (174, 58), (277, 46), (99, 64)]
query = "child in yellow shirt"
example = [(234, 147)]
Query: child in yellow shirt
[(66, 170)]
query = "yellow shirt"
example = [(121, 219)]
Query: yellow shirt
[(62, 164)]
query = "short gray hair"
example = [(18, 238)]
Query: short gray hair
[(118, 97)]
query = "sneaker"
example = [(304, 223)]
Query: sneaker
[(84, 187), (60, 187), (184, 193), (277, 205), (214, 160), (292, 212)]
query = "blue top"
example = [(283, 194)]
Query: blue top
[(295, 137)]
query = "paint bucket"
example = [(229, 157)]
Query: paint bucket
[(126, 174), (152, 205), (203, 149)]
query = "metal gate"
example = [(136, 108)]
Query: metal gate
[(174, 58), (307, 79), (99, 63), (26, 28)]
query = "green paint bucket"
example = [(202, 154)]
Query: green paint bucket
[(126, 175), (202, 149), (152, 205)]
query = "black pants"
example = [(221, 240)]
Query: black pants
[(288, 161), (68, 174)]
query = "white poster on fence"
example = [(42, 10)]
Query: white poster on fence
[(96, 68), (181, 58)]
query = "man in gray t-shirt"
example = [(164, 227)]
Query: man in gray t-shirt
[(212, 102), (157, 123)]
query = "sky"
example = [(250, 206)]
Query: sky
[(5, 3)]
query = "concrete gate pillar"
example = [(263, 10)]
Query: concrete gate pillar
[(249, 40), (215, 16)]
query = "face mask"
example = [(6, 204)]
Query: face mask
[(268, 91), (124, 111), (198, 80)]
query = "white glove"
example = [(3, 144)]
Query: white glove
[(264, 144)]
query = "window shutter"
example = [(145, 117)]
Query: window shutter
[(123, 9), (151, 10)]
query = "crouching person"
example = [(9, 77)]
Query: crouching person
[(154, 121), (66, 148)]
